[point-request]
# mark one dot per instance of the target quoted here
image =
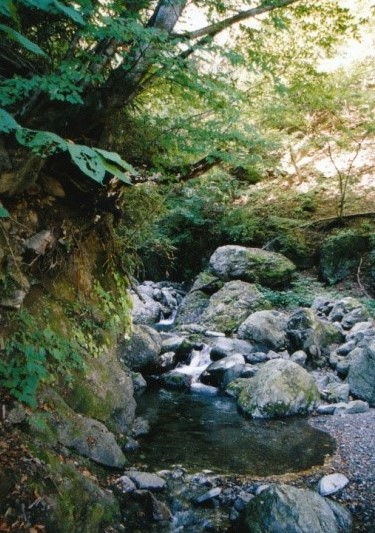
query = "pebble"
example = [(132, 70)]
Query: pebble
[(332, 483)]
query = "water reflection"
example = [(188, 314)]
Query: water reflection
[(203, 431)]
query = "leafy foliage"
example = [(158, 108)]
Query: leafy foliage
[(32, 356)]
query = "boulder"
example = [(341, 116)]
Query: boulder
[(146, 480), (222, 372), (340, 255), (141, 352), (286, 509), (349, 311), (231, 305), (280, 388), (105, 391), (224, 347), (361, 376), (207, 283), (86, 436), (176, 381), (351, 408), (305, 331), (192, 308), (252, 265), (145, 310), (265, 329)]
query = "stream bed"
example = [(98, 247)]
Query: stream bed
[(198, 431)]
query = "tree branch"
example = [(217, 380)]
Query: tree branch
[(213, 29)]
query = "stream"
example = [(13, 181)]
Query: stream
[(202, 429), (198, 431)]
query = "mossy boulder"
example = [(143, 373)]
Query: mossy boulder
[(192, 308), (253, 265), (305, 331), (76, 503), (86, 436), (361, 375), (280, 388), (231, 305), (266, 329), (140, 353), (282, 508), (105, 392), (340, 255), (207, 283)]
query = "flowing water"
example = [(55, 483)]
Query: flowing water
[(205, 431)]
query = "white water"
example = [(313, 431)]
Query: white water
[(199, 361)]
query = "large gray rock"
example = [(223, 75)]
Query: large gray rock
[(349, 311), (141, 352), (145, 310), (305, 331), (285, 509), (146, 480), (266, 329), (222, 372), (280, 388), (192, 308), (231, 305), (224, 347), (252, 265), (361, 375), (86, 436), (105, 392)]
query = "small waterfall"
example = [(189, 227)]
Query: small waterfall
[(199, 361)]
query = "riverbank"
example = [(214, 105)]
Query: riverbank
[(355, 458)]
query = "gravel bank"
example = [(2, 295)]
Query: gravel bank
[(355, 457)]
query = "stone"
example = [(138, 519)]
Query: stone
[(286, 509), (125, 484), (40, 242), (224, 347), (231, 305), (146, 480), (340, 254), (343, 309), (206, 283), (307, 332), (222, 372), (332, 483), (361, 376), (146, 310), (346, 348), (176, 381), (351, 408), (299, 357), (88, 437), (192, 308), (207, 496), (141, 352), (326, 409), (249, 371), (235, 387), (252, 265), (280, 388), (265, 329), (14, 300), (140, 427), (139, 382)]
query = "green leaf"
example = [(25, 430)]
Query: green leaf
[(69, 12), (22, 40), (118, 173), (7, 122), (43, 143), (7, 9), (3, 212), (115, 158), (88, 160)]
